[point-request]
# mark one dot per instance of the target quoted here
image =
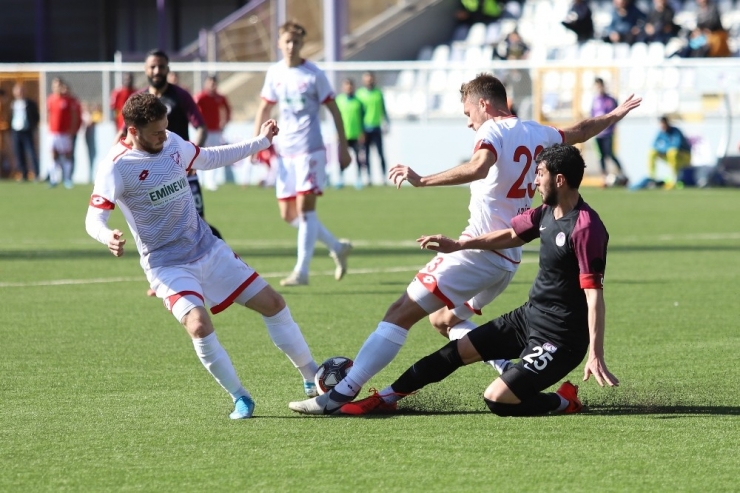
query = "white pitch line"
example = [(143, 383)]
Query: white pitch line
[(268, 275)]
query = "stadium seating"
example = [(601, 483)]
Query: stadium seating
[(537, 22)]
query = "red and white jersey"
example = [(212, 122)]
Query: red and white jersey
[(154, 195), (299, 92), (509, 187)]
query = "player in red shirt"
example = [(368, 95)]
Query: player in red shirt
[(217, 113), (119, 96), (63, 118)]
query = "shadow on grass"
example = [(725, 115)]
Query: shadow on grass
[(669, 411), (56, 254)]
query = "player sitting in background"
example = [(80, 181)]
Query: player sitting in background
[(553, 330), (453, 286), (185, 264)]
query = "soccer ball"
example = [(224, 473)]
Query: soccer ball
[(331, 372)]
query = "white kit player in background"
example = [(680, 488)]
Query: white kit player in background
[(454, 286), (300, 88), (188, 267)]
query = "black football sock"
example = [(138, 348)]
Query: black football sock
[(536, 405), (433, 368)]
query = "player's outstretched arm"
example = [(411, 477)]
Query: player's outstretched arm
[(495, 240), (595, 365), (476, 169), (225, 155), (591, 127)]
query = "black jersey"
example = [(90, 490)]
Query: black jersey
[(181, 111), (572, 258)]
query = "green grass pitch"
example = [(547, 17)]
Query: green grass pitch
[(100, 389)]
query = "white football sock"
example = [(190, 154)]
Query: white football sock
[(378, 350), (324, 235), (462, 328), (216, 360), (307, 233), (563, 404), (287, 336)]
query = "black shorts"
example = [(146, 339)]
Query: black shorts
[(542, 364)]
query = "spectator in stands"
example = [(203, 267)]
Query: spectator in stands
[(216, 112), (353, 114), (579, 20), (23, 123), (513, 47), (659, 25), (376, 119), (696, 46), (709, 22), (627, 22), (119, 96), (603, 104), (671, 146), (470, 12)]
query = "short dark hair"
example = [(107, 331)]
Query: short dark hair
[(566, 160), (158, 53), (485, 86), (664, 120), (142, 109), (599, 80)]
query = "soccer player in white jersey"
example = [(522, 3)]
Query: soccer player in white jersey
[(454, 286), (186, 265), (300, 88)]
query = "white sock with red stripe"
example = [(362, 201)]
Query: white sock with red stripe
[(287, 336), (379, 349), (324, 235), (462, 328), (216, 360)]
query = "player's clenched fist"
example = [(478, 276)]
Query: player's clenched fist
[(269, 129), (115, 243)]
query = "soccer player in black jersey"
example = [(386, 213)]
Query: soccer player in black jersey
[(560, 324)]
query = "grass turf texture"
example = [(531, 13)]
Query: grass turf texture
[(101, 391)]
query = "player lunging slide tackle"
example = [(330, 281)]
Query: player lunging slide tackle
[(552, 332), (185, 264), (452, 286)]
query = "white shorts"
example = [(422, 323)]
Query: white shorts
[(300, 174), (216, 280), (61, 143), (463, 281)]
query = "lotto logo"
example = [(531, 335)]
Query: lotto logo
[(143, 175)]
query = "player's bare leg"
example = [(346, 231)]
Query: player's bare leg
[(453, 327)]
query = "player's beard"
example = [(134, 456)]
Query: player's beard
[(550, 194), (159, 82), (147, 147)]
